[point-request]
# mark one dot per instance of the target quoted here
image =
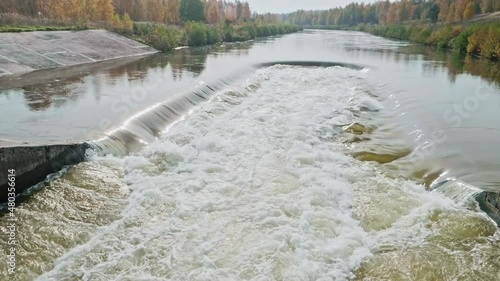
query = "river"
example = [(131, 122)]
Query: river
[(320, 155)]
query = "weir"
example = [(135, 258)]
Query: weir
[(34, 163)]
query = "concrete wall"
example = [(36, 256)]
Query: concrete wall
[(490, 204), (34, 163)]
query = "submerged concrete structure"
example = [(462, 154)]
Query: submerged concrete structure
[(28, 51)]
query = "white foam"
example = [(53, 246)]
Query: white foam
[(249, 187)]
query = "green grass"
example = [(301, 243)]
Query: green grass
[(39, 28)]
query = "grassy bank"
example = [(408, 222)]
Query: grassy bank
[(19, 23), (165, 38), (160, 36), (479, 39), (39, 28)]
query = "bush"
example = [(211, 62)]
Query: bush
[(197, 33), (239, 33), (250, 29), (263, 30), (122, 23), (420, 34), (395, 31), (442, 37), (460, 42), (165, 38), (158, 36), (485, 40), (213, 35)]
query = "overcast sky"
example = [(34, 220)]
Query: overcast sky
[(285, 6)]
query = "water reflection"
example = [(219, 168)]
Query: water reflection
[(66, 87), (455, 64), (433, 60)]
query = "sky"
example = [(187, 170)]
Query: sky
[(285, 6)]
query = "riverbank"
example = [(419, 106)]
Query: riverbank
[(477, 39), (18, 23), (165, 38), (160, 36)]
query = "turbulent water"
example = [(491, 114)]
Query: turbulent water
[(257, 184)]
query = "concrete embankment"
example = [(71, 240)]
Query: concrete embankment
[(28, 51)]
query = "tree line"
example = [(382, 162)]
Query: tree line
[(161, 11), (386, 12)]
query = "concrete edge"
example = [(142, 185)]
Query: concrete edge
[(489, 202), (32, 164)]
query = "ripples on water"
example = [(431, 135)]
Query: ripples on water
[(257, 184), (64, 214)]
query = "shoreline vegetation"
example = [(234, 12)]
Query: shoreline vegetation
[(166, 38), (476, 39), (162, 24)]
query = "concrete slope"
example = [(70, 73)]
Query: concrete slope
[(28, 51)]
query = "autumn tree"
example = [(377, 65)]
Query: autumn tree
[(460, 6), (444, 8), (246, 13), (8, 6), (231, 12), (156, 10), (470, 10), (89, 10), (451, 13), (405, 10), (173, 11), (392, 13), (213, 11), (486, 6), (105, 10), (26, 7)]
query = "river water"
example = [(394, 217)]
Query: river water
[(363, 168)]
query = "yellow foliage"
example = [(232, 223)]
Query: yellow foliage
[(470, 10), (122, 22), (485, 41)]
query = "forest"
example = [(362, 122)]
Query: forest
[(163, 24), (165, 11), (386, 12)]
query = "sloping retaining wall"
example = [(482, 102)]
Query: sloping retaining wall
[(28, 51)]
